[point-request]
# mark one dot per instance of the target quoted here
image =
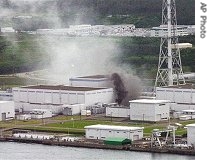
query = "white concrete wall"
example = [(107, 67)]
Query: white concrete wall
[(176, 95), (33, 98), (8, 108), (117, 112), (148, 112), (162, 110), (142, 112), (89, 83), (180, 107), (103, 134), (103, 96)]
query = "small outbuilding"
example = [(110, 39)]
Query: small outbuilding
[(149, 110), (74, 109), (7, 110), (110, 131), (117, 141)]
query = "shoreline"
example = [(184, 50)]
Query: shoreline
[(180, 151)]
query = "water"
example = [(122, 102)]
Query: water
[(22, 151)]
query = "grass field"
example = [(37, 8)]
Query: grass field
[(73, 124)]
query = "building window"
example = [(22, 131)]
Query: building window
[(8, 112)]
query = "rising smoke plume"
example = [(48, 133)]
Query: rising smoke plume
[(83, 56), (119, 87)]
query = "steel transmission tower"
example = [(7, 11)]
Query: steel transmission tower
[(169, 67)]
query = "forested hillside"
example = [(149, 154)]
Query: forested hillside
[(21, 52)]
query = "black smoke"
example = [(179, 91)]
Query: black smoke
[(119, 88)]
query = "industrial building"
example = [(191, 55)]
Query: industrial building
[(90, 81), (182, 97), (190, 134), (108, 131), (7, 110), (149, 110), (54, 97)]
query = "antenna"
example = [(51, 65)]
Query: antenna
[(169, 67)]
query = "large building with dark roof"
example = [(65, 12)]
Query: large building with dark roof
[(53, 97)]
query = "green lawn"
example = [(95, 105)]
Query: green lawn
[(73, 124)]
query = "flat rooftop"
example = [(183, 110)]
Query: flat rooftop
[(111, 127), (61, 87), (185, 86), (149, 101)]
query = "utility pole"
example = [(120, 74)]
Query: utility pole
[(169, 56)]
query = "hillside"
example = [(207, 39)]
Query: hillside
[(62, 13)]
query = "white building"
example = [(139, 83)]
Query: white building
[(40, 113), (90, 81), (54, 97), (149, 110), (162, 31), (116, 111), (74, 109), (182, 97), (190, 134), (108, 131), (7, 110)]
